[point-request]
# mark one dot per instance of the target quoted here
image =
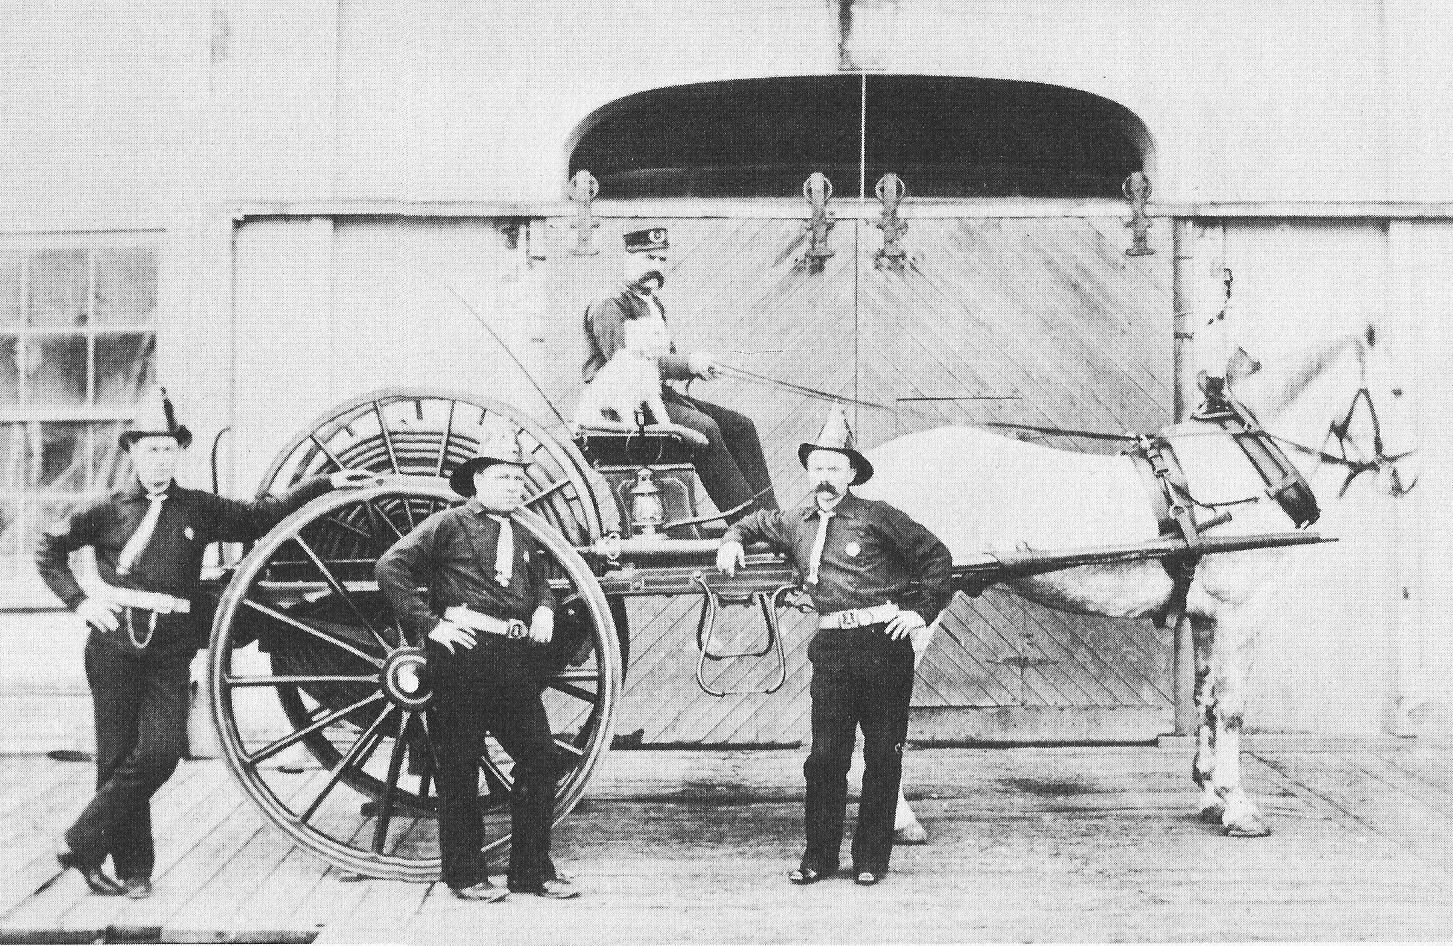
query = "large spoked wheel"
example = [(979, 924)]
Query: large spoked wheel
[(428, 432), (306, 657)]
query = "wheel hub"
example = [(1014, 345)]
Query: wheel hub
[(406, 678)]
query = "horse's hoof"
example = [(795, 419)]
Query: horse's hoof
[(1212, 814), (1252, 829), (910, 834)]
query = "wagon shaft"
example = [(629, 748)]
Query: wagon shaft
[(974, 577)]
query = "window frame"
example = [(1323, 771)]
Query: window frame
[(24, 589)]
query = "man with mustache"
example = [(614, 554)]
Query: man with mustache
[(877, 579), (732, 467)]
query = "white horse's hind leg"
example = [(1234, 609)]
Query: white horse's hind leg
[(906, 828), (1210, 805)]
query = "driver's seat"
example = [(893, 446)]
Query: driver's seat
[(620, 454)]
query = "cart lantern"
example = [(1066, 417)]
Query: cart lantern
[(648, 512)]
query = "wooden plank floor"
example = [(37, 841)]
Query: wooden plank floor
[(692, 846)]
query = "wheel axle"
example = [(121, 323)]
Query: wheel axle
[(406, 678)]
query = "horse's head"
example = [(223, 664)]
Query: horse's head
[(1370, 429)]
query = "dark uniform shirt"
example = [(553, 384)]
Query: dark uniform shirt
[(171, 562), (452, 554), (605, 334), (875, 554)]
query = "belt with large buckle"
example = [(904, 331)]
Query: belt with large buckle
[(858, 617), (465, 616)]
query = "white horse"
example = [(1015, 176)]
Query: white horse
[(1018, 495)]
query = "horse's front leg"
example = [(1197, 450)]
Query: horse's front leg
[(1231, 667), (1203, 766), (1241, 818)]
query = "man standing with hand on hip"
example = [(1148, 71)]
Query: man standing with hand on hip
[(149, 538), (877, 579), (487, 603)]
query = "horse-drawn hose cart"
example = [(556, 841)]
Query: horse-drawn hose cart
[(304, 655)]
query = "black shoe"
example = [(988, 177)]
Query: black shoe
[(867, 878), (137, 888), (483, 891), (807, 874), (94, 875), (554, 889)]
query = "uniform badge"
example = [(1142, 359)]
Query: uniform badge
[(852, 549), (189, 533)]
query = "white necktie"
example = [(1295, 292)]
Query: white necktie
[(823, 515), (141, 537), (504, 551)]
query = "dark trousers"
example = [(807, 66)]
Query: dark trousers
[(140, 701), (488, 691), (732, 467), (860, 678)]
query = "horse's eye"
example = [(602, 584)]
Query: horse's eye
[(1397, 392)]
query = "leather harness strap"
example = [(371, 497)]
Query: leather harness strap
[(1156, 461), (1284, 482)]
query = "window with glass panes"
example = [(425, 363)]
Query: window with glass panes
[(77, 342)]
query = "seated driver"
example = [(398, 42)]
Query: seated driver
[(731, 465)]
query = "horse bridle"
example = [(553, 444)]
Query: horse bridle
[(1380, 458), (1348, 453)]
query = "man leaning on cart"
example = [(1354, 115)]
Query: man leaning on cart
[(877, 579), (146, 625)]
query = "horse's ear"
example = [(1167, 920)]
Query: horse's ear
[(1241, 365)]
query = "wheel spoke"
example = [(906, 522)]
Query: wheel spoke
[(398, 628), (388, 440), (358, 753), (553, 488), (390, 786), (294, 679), (573, 750), (326, 452), (332, 521), (273, 748), (309, 629), (492, 770), (580, 693), (379, 513), (444, 443), (339, 590)]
